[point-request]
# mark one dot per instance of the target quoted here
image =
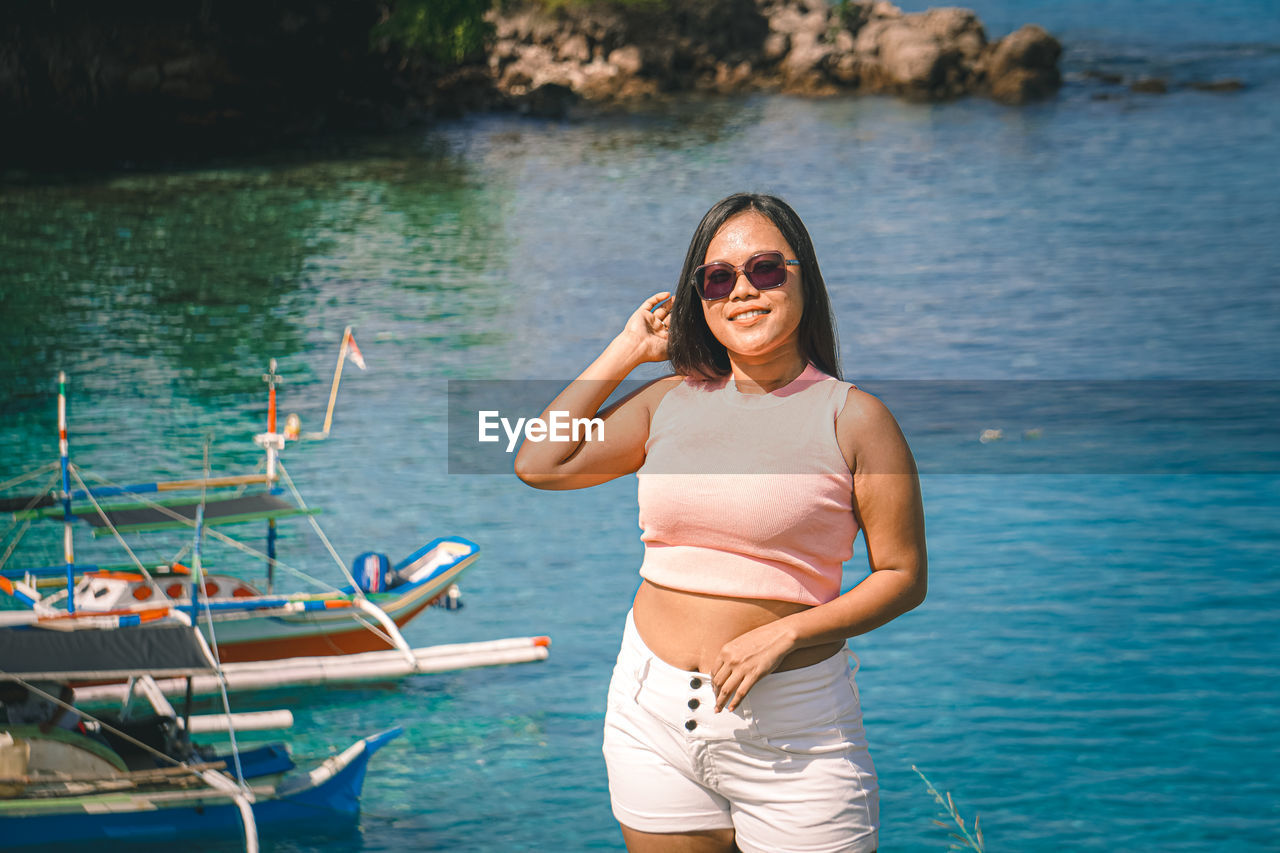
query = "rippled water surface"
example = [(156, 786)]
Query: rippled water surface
[(1096, 665)]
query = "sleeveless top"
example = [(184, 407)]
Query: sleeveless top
[(748, 495)]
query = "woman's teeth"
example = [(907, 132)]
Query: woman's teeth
[(747, 315)]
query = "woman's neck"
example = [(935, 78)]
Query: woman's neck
[(767, 373)]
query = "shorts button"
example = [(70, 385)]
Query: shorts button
[(694, 703), (695, 683), (691, 724)]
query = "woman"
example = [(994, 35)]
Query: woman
[(733, 720)]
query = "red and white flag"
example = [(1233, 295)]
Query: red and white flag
[(355, 351)]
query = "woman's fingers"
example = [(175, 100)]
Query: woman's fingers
[(740, 692), (647, 330), (654, 312), (731, 683), (743, 661), (653, 301), (650, 311), (726, 691)]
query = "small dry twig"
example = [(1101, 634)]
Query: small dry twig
[(968, 841)]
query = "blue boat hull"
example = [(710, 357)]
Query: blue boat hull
[(331, 804)]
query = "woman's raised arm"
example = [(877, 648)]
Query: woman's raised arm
[(617, 448)]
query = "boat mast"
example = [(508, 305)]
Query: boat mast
[(272, 442), (68, 547), (197, 568)]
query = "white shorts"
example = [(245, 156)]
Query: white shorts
[(788, 769)]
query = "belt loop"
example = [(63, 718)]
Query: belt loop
[(857, 664), (641, 674)]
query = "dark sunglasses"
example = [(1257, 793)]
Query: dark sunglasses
[(765, 271)]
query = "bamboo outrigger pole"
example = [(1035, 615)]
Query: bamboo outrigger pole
[(28, 502)]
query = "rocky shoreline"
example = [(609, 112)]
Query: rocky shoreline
[(86, 84), (542, 60)]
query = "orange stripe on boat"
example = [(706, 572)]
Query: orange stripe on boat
[(542, 641), (118, 576), (331, 605), (6, 585), (88, 614)]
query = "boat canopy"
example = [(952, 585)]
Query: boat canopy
[(164, 650), (139, 517)]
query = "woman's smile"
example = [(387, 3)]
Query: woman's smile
[(744, 317)]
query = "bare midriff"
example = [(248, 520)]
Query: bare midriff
[(688, 629)]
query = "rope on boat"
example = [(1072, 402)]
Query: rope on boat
[(240, 787), (197, 582), (389, 634), (371, 628), (85, 715), (220, 536), (240, 793), (26, 525), (31, 475), (361, 600), (316, 526), (75, 472), (8, 552)]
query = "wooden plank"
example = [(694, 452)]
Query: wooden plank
[(131, 775)]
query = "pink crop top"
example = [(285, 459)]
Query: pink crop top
[(748, 495)]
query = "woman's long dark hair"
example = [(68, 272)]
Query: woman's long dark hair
[(693, 350)]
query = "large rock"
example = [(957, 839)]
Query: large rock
[(1022, 66), (929, 55), (606, 51)]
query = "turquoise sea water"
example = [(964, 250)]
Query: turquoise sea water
[(1096, 665)]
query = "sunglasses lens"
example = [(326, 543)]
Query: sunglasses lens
[(717, 280), (767, 270)]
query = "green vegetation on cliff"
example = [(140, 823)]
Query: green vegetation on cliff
[(445, 30), (450, 31)]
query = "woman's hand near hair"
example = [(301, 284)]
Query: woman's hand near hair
[(646, 328), (620, 450)]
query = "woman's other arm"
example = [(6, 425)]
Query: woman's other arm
[(887, 503)]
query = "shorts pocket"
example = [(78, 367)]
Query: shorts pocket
[(827, 739), (623, 687)]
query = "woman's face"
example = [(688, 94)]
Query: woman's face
[(750, 322)]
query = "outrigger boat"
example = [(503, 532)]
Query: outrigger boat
[(139, 777), (358, 620)]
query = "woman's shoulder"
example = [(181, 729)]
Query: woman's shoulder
[(865, 426), (686, 383), (859, 404), (675, 393), (652, 393)]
